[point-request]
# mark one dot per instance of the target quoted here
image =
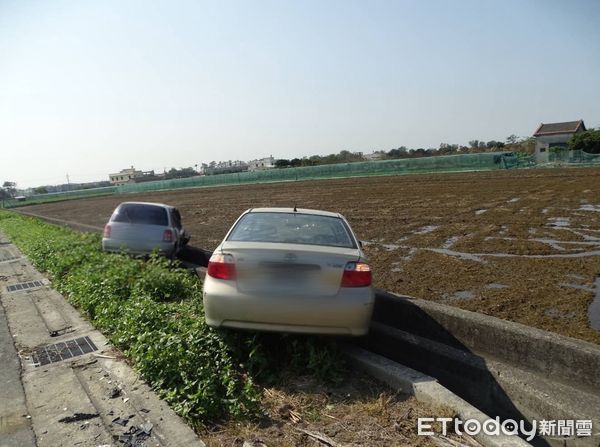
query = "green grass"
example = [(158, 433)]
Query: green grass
[(152, 311)]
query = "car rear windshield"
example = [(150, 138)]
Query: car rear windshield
[(293, 228), (141, 214)]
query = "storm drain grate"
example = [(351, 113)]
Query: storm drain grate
[(62, 351), (24, 286)]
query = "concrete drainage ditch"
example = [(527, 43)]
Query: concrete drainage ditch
[(503, 368)]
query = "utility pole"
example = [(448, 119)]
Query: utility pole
[(68, 183)]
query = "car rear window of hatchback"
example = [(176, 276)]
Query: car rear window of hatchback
[(293, 228), (141, 214)]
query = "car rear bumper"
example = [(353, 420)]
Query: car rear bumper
[(138, 247), (347, 313)]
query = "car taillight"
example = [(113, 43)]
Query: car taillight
[(357, 274), (221, 266), (168, 236), (106, 231)]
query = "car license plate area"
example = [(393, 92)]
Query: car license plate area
[(281, 277), (288, 276)]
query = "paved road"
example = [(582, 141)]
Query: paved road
[(15, 427)]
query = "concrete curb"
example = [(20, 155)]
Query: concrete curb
[(426, 389), (566, 359)]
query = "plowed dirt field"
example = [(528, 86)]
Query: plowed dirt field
[(519, 245)]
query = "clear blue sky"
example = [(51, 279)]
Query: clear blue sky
[(88, 88)]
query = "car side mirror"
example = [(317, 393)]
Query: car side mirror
[(360, 243)]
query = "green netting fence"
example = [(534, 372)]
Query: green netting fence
[(59, 196), (437, 164), (451, 163), (565, 156), (583, 158)]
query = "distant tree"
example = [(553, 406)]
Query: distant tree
[(180, 173), (401, 152), (348, 157), (295, 162), (447, 149), (345, 155), (282, 163), (315, 160), (527, 145), (588, 141), (512, 139), (7, 191), (40, 190), (306, 161), (10, 188), (474, 143), (494, 143), (188, 172)]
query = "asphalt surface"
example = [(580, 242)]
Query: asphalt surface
[(15, 426)]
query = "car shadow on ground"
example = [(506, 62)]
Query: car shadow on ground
[(458, 369), (194, 257)]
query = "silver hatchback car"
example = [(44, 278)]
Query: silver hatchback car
[(142, 227), (288, 270)]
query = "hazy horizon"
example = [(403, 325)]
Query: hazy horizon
[(90, 88)]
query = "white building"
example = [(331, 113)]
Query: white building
[(554, 136), (125, 176), (261, 164)]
